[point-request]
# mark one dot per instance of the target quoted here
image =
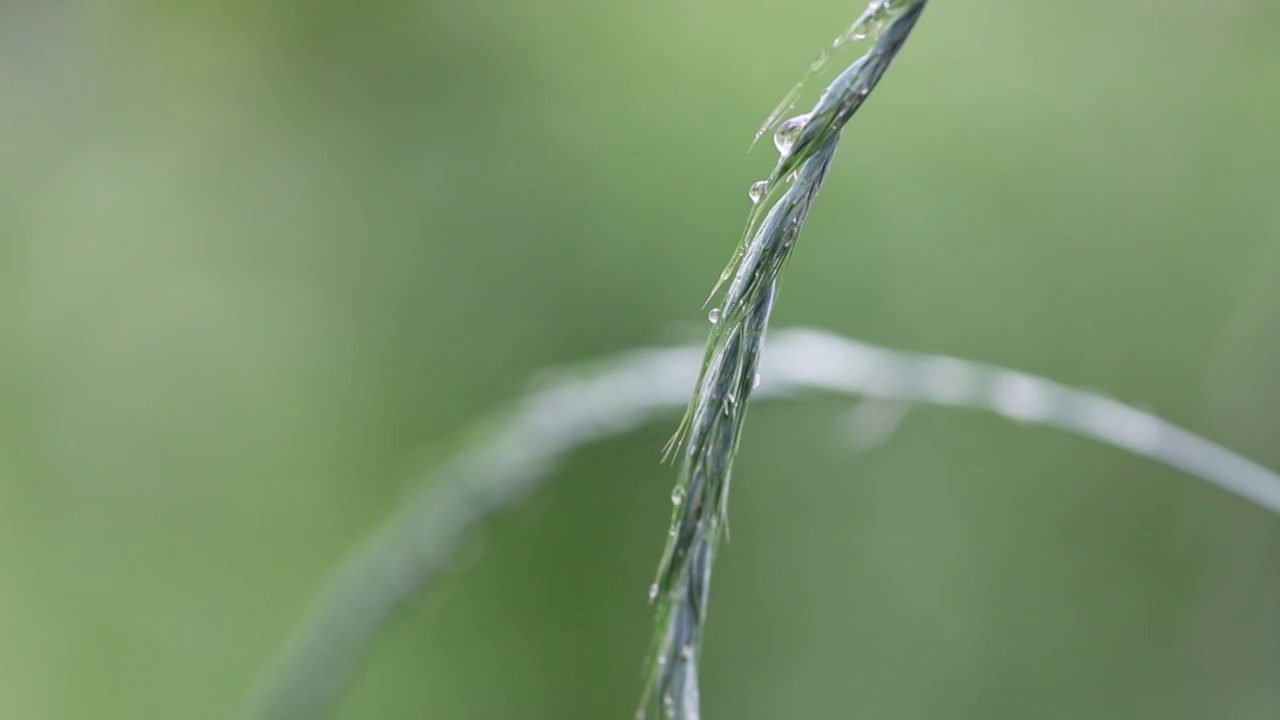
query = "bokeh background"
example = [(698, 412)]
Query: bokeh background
[(262, 264)]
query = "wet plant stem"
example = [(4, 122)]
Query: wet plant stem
[(711, 430)]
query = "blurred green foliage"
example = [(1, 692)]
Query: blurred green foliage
[(261, 263)]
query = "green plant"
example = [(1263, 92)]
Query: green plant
[(515, 453), (712, 426)]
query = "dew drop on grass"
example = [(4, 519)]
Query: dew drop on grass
[(757, 191), (870, 25), (677, 495), (714, 315), (785, 138), (872, 21), (653, 592), (755, 381)]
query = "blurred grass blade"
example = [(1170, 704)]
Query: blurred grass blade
[(515, 453)]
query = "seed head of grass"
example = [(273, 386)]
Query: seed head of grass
[(709, 434)]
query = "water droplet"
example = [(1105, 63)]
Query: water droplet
[(785, 138), (677, 495), (714, 315), (872, 21), (755, 381), (653, 592), (669, 704), (686, 652), (757, 191)]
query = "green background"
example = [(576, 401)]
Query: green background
[(262, 264)]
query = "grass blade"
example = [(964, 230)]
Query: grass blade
[(516, 452)]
